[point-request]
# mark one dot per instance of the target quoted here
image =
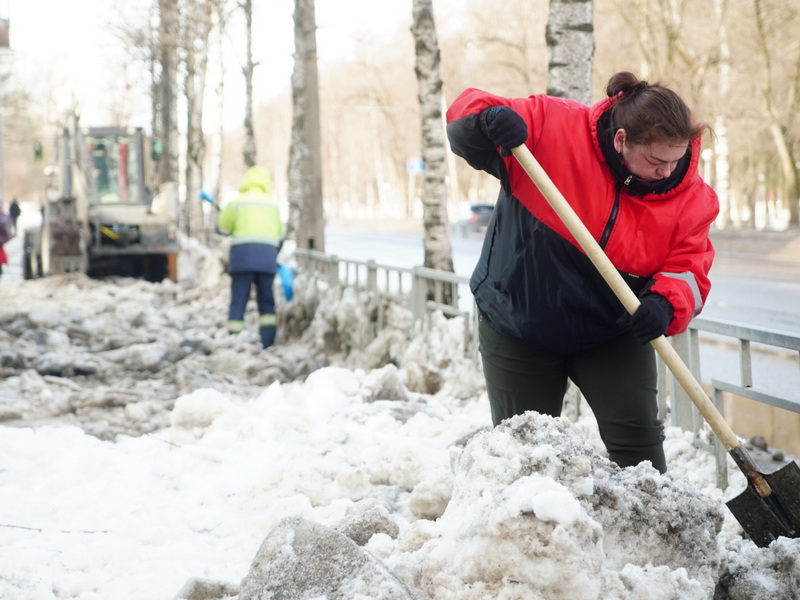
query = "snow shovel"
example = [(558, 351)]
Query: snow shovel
[(206, 197), (770, 505)]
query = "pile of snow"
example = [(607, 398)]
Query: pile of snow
[(147, 454)]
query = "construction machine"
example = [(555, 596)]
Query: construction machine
[(100, 216)]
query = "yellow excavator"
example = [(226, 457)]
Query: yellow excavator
[(100, 216)]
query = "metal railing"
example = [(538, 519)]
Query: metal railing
[(424, 291), (745, 341)]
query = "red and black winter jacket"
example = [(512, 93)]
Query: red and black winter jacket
[(532, 281)]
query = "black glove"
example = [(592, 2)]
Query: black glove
[(504, 127), (652, 317)]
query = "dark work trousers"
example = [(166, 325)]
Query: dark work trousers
[(618, 380), (241, 284)]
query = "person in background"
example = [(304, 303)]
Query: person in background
[(628, 166), (15, 211), (3, 259), (254, 223), (7, 231)]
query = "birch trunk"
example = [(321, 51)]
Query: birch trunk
[(438, 251), (306, 218), (198, 28), (570, 41), (165, 125), (249, 150)]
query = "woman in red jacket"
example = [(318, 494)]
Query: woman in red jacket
[(628, 167)]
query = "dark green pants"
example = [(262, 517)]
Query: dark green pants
[(618, 380)]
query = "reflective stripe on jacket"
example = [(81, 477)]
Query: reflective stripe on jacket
[(532, 280)]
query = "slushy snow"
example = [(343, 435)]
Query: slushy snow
[(144, 448)]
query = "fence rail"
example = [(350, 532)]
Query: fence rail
[(424, 291)]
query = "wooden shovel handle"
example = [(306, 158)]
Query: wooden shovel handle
[(629, 300)]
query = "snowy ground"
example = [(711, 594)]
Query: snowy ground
[(142, 447)]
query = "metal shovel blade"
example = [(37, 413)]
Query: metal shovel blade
[(764, 519)]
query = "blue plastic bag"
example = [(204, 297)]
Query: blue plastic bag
[(287, 279)]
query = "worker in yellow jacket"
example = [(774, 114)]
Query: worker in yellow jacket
[(254, 223)]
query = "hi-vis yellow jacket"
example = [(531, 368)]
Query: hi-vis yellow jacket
[(254, 222)]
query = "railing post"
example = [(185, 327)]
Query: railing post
[(372, 276), (720, 452), (417, 296), (683, 410), (745, 363), (372, 287), (333, 272)]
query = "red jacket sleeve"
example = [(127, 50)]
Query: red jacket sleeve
[(683, 279), (472, 101)]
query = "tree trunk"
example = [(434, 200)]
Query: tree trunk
[(306, 217), (219, 163), (570, 41), (249, 150), (721, 150), (165, 126), (438, 251), (197, 29)]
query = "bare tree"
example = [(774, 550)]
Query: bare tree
[(221, 16), (196, 29), (512, 44), (249, 150), (656, 39), (438, 252), (306, 218), (778, 125), (165, 82), (24, 176), (721, 147), (372, 118), (671, 46), (570, 40)]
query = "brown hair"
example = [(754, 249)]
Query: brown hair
[(650, 112)]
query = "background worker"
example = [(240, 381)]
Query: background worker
[(628, 167), (254, 223), (15, 211)]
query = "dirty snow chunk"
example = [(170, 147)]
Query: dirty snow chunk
[(67, 362), (302, 559), (384, 384), (520, 512), (753, 572), (365, 519), (49, 340), (198, 265), (199, 409), (341, 320), (145, 357), (142, 411), (548, 500), (341, 387), (45, 317), (207, 589)]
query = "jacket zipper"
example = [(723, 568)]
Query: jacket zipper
[(612, 219)]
